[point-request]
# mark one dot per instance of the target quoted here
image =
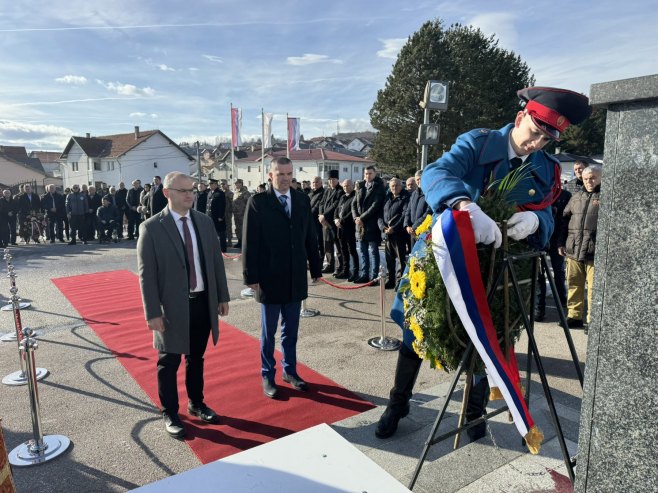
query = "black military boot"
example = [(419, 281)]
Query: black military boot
[(476, 407), (406, 373)]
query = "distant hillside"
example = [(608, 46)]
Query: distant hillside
[(349, 136)]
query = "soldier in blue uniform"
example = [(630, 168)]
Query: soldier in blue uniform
[(457, 180)]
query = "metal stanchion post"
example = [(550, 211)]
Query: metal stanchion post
[(382, 342), (11, 336), (308, 312), (40, 448), (19, 377)]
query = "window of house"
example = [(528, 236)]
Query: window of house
[(88, 165), (74, 166), (97, 166), (344, 170), (248, 169), (249, 183), (301, 168)]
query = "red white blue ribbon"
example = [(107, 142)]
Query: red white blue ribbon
[(456, 256)]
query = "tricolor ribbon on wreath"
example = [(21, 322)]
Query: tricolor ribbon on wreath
[(456, 256)]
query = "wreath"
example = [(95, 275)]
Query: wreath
[(440, 336)]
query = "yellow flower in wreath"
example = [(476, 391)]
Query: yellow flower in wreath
[(416, 329), (412, 265), (425, 226), (417, 282)]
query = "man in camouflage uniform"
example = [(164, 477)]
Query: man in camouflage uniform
[(228, 218), (240, 198)]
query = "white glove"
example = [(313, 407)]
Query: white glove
[(485, 229), (522, 224)]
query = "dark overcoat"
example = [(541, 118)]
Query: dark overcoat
[(276, 248)]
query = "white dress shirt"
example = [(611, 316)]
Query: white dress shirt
[(197, 258)]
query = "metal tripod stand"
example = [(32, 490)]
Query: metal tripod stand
[(507, 269)]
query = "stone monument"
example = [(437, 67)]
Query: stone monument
[(618, 443)]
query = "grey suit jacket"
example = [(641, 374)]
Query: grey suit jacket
[(164, 281)]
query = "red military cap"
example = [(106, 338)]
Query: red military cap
[(553, 109)]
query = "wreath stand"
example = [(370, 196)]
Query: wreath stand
[(505, 274)]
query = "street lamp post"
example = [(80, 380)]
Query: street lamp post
[(434, 98)]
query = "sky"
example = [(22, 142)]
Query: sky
[(84, 66)]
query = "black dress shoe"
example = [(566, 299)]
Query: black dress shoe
[(203, 412), (574, 323), (361, 280), (238, 245), (540, 313), (296, 382), (269, 388), (388, 422), (389, 285), (173, 425), (328, 269)]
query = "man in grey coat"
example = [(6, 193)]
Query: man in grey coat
[(184, 289)]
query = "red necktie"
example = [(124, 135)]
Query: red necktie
[(189, 250)]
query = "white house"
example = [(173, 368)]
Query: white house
[(17, 168), (307, 164), (110, 159)]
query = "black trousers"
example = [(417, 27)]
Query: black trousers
[(134, 220), (168, 363), (52, 221), (347, 248), (557, 263), (395, 247), (320, 236), (220, 228)]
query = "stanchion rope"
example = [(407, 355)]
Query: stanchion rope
[(231, 257), (337, 286)]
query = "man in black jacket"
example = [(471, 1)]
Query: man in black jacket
[(215, 209), (316, 196), (392, 225), (367, 208), (201, 198), (576, 183), (346, 232), (10, 208), (158, 201), (28, 204), (120, 202), (328, 208), (54, 206), (94, 202), (132, 204), (108, 221), (279, 243), (417, 210)]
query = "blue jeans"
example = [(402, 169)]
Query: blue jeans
[(269, 317), (369, 259)]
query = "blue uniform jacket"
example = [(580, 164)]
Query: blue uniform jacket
[(467, 169)]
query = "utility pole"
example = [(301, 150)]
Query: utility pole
[(198, 161)]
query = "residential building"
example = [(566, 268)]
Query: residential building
[(110, 159), (16, 168)]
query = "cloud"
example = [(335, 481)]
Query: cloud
[(140, 114), (76, 80), (500, 24), (392, 47), (193, 69), (213, 58), (165, 68), (310, 58), (34, 135), (127, 89)]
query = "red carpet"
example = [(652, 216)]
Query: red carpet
[(110, 303)]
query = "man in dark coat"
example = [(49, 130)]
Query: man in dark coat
[(120, 202), (108, 221), (54, 206), (576, 183), (417, 210), (557, 261), (77, 205), (29, 205), (10, 207), (158, 201), (316, 196), (278, 244), (391, 224), (215, 209), (183, 285), (201, 198), (228, 212), (367, 208), (4, 223), (94, 202), (328, 208), (132, 204), (578, 241), (346, 232)]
